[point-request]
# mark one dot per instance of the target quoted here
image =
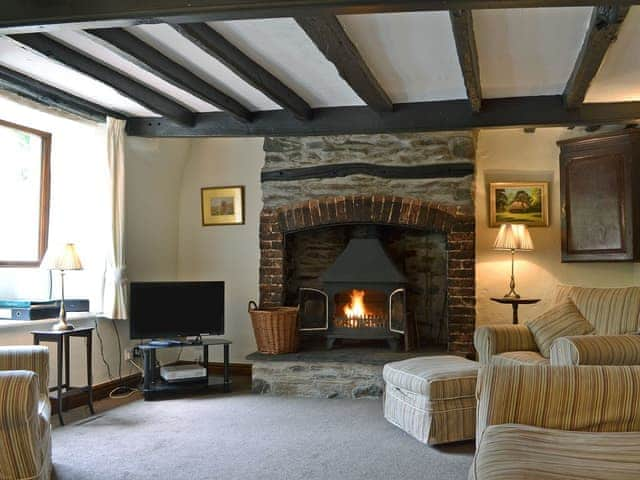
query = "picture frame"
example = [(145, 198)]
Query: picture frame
[(222, 205), (519, 202)]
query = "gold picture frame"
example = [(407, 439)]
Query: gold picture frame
[(519, 202), (222, 205)]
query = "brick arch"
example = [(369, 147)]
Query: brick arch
[(456, 222)]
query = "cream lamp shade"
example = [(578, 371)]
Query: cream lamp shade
[(513, 236), (66, 258)]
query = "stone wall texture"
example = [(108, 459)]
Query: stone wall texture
[(385, 149), (429, 222)]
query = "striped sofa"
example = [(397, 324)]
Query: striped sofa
[(25, 412), (613, 312), (552, 423)]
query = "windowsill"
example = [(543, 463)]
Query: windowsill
[(38, 324)]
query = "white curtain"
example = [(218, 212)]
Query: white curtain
[(115, 284)]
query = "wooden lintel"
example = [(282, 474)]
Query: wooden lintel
[(462, 25), (440, 170), (329, 36), (211, 42), (150, 59), (517, 112), (602, 32), (125, 85)]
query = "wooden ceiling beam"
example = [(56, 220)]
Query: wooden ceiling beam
[(44, 94), (130, 88), (462, 26), (145, 56), (251, 72), (23, 16), (331, 39), (602, 32), (518, 112)]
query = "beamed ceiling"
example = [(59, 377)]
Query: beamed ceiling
[(214, 68)]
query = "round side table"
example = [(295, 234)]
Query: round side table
[(515, 302)]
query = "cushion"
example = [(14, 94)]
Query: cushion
[(437, 378), (612, 311), (519, 358), (561, 320)]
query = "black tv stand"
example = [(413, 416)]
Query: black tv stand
[(154, 386)]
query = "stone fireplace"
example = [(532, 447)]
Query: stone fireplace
[(404, 199)]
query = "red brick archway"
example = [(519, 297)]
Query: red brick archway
[(456, 222)]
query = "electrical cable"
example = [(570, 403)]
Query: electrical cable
[(101, 342)]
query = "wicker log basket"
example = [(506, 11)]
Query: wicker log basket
[(275, 328)]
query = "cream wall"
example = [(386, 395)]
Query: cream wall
[(154, 169), (512, 155), (229, 253)]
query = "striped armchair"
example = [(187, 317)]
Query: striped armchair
[(613, 312), (25, 412), (552, 423)]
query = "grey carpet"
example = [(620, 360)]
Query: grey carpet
[(244, 436)]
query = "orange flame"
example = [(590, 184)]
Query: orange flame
[(356, 309)]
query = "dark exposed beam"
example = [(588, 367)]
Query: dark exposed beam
[(219, 47), (407, 117), (331, 39), (37, 91), (147, 57), (462, 25), (19, 16), (440, 170), (602, 32), (125, 85)]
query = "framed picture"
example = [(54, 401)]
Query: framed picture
[(222, 206), (519, 202)]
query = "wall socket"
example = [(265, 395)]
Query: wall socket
[(133, 352)]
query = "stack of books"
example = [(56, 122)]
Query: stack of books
[(39, 309)]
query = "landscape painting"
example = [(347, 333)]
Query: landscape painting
[(222, 206), (519, 202)]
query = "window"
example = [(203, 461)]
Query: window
[(24, 194)]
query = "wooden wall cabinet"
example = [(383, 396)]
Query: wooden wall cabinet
[(600, 193)]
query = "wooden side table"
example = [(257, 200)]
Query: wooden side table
[(515, 302), (64, 389)]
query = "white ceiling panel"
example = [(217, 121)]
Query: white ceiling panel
[(618, 79), (528, 51), (412, 55), (182, 51), (282, 47), (27, 62), (94, 48)]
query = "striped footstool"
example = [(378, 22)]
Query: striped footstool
[(432, 398)]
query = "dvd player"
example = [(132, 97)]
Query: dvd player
[(183, 373)]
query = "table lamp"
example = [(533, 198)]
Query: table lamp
[(67, 259), (513, 237)]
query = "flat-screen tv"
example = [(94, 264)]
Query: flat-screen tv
[(161, 310)]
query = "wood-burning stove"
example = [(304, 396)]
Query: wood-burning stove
[(362, 297)]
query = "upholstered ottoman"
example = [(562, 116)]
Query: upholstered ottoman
[(432, 398)]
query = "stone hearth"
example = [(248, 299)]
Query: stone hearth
[(344, 372)]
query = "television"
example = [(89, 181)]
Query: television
[(162, 310)]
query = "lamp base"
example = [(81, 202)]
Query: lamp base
[(61, 327)]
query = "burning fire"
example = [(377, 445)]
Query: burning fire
[(356, 308)]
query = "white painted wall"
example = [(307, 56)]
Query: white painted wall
[(512, 155), (154, 170), (228, 253)]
